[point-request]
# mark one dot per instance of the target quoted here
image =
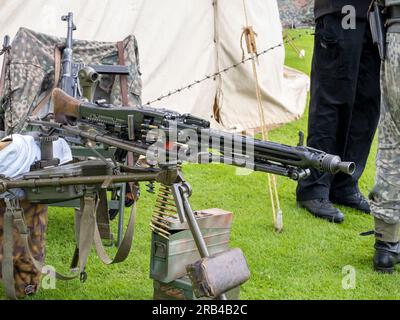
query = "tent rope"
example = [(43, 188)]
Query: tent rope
[(250, 36)]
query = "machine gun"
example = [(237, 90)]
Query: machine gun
[(167, 137), (77, 79)]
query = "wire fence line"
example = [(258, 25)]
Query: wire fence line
[(224, 70)]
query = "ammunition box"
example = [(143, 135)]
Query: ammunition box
[(170, 255), (51, 194), (181, 289)]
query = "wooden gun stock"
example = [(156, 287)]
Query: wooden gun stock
[(66, 108)]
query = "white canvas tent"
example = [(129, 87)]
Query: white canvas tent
[(181, 41)]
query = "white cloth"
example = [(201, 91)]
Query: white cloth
[(18, 156), (23, 151), (62, 151)]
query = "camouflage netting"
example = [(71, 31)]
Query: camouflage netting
[(295, 13), (32, 71)]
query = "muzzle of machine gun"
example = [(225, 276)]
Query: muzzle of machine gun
[(333, 164), (88, 79)]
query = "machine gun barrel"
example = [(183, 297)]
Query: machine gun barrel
[(71, 27), (125, 127), (299, 156), (67, 81)]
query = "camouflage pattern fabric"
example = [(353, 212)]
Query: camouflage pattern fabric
[(385, 201), (27, 278), (296, 12), (32, 70)]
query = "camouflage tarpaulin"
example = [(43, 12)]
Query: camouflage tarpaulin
[(296, 13), (32, 71)]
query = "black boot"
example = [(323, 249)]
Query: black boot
[(387, 255), (323, 209), (355, 201)]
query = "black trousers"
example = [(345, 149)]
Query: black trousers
[(344, 105)]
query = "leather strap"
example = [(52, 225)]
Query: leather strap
[(103, 217), (57, 72), (87, 228), (126, 243), (88, 233), (123, 81), (7, 265), (23, 232)]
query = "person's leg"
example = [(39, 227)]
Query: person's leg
[(333, 85), (323, 113), (364, 120), (385, 197)]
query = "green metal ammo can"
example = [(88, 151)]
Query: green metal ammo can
[(171, 254)]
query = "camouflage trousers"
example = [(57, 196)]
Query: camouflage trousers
[(385, 197), (26, 277)]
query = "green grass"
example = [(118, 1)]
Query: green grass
[(303, 262)]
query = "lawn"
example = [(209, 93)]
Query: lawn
[(305, 261)]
